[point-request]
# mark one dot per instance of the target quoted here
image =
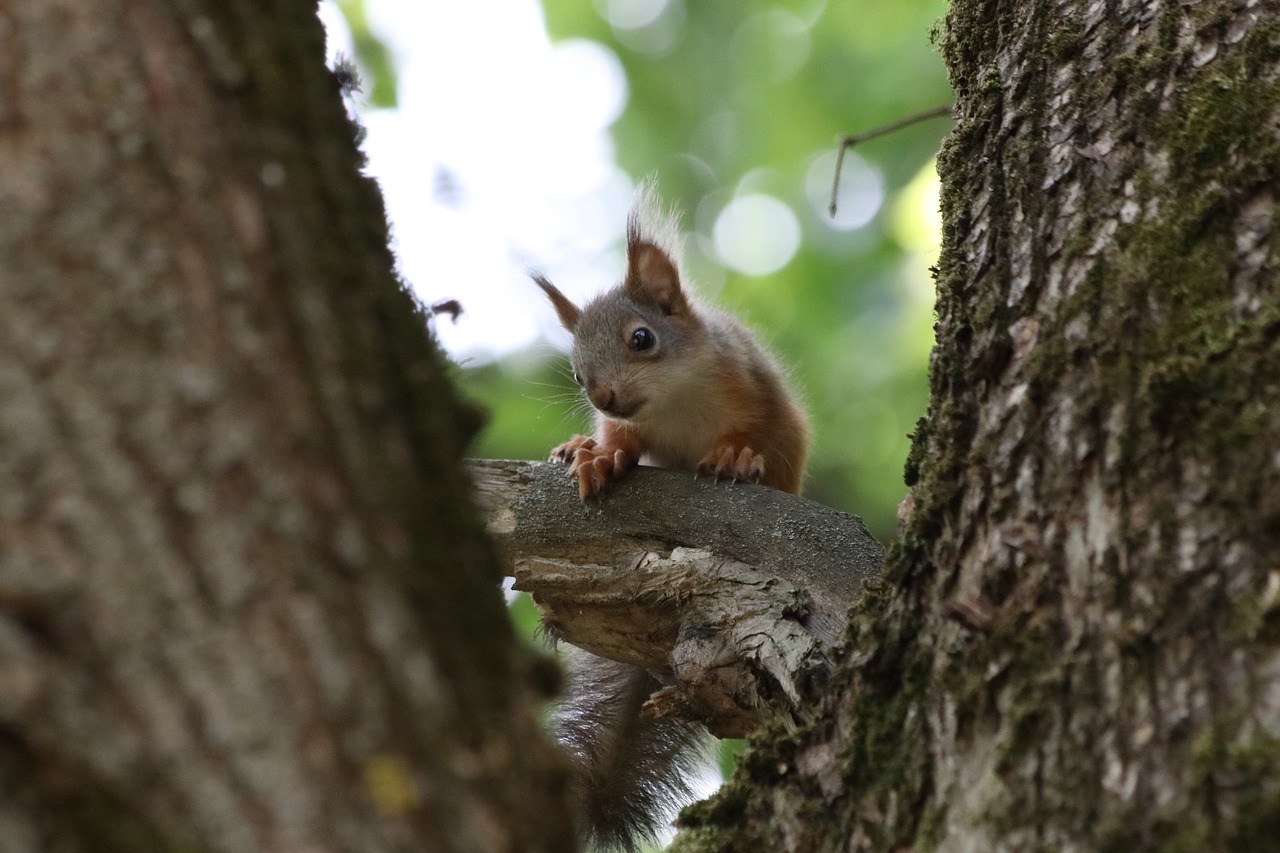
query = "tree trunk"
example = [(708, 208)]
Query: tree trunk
[(1080, 645), (242, 606)]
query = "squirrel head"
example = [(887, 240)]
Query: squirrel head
[(634, 347)]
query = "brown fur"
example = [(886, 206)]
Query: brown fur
[(706, 398)]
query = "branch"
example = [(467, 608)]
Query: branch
[(731, 595), (847, 141)]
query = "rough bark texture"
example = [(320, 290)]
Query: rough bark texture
[(730, 595), (242, 606), (829, 553), (1081, 648)]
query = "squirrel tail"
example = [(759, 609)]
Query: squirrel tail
[(632, 773)]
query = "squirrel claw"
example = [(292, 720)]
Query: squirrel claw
[(595, 468), (566, 452), (732, 463)]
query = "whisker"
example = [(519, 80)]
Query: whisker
[(555, 387), (565, 370)]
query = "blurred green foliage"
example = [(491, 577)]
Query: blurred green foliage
[(750, 96), (378, 72)]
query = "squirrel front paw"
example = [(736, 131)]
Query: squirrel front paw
[(567, 451), (596, 467), (731, 461)]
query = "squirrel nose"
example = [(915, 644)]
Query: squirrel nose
[(601, 396)]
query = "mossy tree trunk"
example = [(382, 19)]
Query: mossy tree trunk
[(242, 605), (1077, 644)]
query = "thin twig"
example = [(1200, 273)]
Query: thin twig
[(884, 129)]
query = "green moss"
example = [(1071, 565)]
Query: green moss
[(933, 826), (721, 822), (1257, 823), (727, 808), (1255, 617), (700, 840), (886, 755), (1176, 260), (108, 827), (1247, 771), (886, 740)]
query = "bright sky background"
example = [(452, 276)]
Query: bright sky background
[(498, 158)]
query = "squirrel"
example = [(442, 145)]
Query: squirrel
[(674, 385)]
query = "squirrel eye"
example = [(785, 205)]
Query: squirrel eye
[(642, 339), (577, 378)]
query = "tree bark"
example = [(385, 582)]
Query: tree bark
[(1080, 648), (242, 606)]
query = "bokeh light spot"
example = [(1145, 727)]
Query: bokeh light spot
[(756, 234), (631, 14), (859, 197)]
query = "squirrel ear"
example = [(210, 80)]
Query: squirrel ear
[(565, 310), (652, 278)]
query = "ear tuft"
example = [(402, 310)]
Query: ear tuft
[(653, 279), (653, 252), (565, 310), (649, 221)]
